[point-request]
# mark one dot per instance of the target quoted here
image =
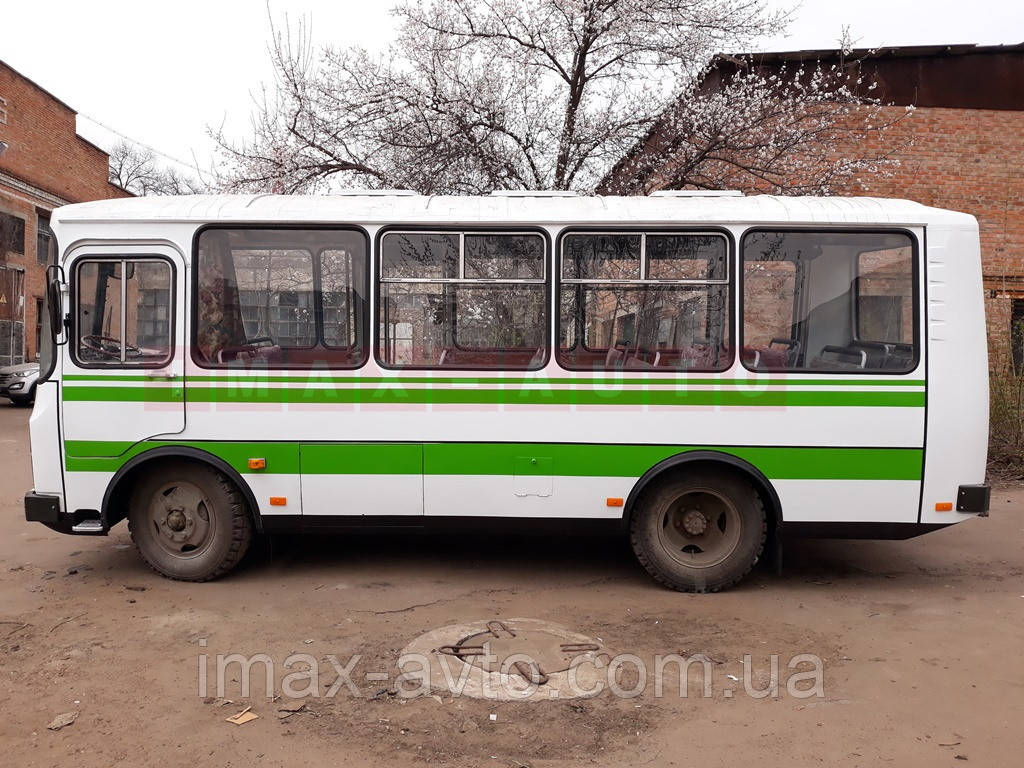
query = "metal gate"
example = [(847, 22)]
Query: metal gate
[(12, 315)]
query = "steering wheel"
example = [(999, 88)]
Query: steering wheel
[(107, 346)]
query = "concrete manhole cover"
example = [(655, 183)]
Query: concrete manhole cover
[(509, 659)]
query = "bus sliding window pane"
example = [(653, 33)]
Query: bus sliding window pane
[(99, 312), (686, 257), (504, 257), (437, 325), (769, 291), (885, 308), (275, 290), (339, 307), (148, 312), (417, 255), (504, 317), (645, 327), (601, 257)]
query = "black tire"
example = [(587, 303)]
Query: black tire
[(714, 558), (162, 500), (25, 402)]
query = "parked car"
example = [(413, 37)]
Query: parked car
[(18, 382)]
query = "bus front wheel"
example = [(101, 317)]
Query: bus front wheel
[(189, 522), (699, 532)]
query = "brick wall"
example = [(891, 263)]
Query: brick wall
[(35, 274), (967, 160), (46, 164)]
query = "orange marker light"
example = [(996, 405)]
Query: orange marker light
[(257, 463), (944, 506), (613, 502), (278, 501)]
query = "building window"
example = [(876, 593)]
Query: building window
[(829, 301), (119, 322), (39, 326), (286, 298), (463, 300), (12, 315), (652, 300), (3, 111), (44, 238), (12, 233), (1017, 334)]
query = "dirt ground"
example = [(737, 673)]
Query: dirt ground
[(920, 643)]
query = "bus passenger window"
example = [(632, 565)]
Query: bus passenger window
[(829, 301), (463, 300), (281, 298), (135, 292), (657, 301)]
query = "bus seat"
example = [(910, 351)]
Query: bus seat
[(615, 358), (634, 362), (248, 353), (538, 358), (765, 358)]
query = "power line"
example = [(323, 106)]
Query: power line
[(154, 150)]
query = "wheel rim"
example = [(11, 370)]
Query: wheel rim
[(182, 519), (700, 528)]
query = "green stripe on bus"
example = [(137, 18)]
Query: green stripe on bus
[(109, 456), (564, 459), (652, 381), (124, 394), (361, 458), (455, 396), (634, 460)]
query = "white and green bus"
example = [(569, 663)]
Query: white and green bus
[(706, 370)]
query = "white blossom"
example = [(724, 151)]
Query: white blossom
[(477, 95)]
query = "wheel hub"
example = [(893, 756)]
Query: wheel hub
[(694, 522), (176, 520), (700, 528), (181, 517)]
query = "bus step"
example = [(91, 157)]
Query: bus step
[(88, 526)]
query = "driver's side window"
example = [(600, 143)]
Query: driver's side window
[(123, 316)]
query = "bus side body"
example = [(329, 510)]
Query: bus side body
[(834, 450)]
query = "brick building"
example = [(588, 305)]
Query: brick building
[(44, 164), (961, 148)]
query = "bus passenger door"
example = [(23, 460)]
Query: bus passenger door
[(123, 372)]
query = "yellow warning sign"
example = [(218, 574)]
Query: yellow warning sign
[(3, 298)]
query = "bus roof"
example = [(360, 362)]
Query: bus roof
[(511, 208)]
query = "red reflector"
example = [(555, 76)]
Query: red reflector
[(613, 502)]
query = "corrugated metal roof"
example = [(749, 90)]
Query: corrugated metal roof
[(417, 209), (888, 51)]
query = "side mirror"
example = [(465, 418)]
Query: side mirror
[(55, 290)]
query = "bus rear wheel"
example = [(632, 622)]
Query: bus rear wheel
[(189, 522), (699, 532)]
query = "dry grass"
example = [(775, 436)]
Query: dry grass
[(1006, 430)]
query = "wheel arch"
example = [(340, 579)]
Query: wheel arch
[(693, 460), (115, 498)]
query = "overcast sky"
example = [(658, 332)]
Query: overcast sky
[(161, 72)]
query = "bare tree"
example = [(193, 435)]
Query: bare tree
[(476, 95), (138, 170)]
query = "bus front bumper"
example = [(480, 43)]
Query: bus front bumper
[(45, 508)]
